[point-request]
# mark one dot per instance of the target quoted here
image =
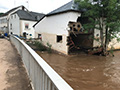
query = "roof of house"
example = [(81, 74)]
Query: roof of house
[(70, 6), (32, 16), (11, 11)]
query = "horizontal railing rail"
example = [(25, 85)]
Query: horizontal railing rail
[(42, 76)]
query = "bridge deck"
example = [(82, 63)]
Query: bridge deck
[(12, 73)]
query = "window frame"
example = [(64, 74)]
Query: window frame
[(26, 26), (59, 38)]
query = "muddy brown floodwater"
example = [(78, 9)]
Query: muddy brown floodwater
[(85, 72)]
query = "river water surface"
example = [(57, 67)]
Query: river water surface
[(86, 72)]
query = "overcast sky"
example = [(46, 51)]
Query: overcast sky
[(41, 6)]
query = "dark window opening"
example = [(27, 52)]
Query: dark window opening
[(15, 16), (97, 35), (40, 36), (26, 26), (11, 26), (59, 39), (24, 34)]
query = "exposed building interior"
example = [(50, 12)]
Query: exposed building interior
[(79, 39)]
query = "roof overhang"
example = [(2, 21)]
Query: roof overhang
[(56, 14), (63, 12)]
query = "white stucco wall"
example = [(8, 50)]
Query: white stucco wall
[(3, 21), (15, 21), (96, 36), (114, 44), (20, 8), (18, 26), (30, 30), (54, 25), (3, 24), (7, 17)]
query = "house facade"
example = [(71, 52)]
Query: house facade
[(62, 28), (21, 22), (4, 19), (54, 30), (3, 24)]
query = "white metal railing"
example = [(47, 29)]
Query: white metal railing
[(43, 77)]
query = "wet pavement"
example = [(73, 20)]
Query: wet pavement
[(86, 72), (13, 75)]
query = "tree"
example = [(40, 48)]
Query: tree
[(103, 15), (1, 14)]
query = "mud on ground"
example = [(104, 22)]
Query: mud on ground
[(13, 75)]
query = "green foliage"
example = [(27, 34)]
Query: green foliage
[(1, 14), (49, 47), (99, 12), (39, 45), (103, 15), (30, 38)]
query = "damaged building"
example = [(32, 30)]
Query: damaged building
[(62, 28), (79, 39)]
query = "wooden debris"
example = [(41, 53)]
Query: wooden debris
[(98, 51)]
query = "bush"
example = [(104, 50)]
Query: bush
[(39, 45), (49, 47)]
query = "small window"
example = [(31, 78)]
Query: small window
[(11, 26), (26, 26), (97, 35), (40, 36), (15, 16), (59, 38)]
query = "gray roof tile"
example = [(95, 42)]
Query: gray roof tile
[(67, 7), (26, 15), (5, 14)]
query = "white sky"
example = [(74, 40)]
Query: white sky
[(41, 6)]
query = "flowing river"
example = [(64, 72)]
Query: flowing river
[(86, 72)]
